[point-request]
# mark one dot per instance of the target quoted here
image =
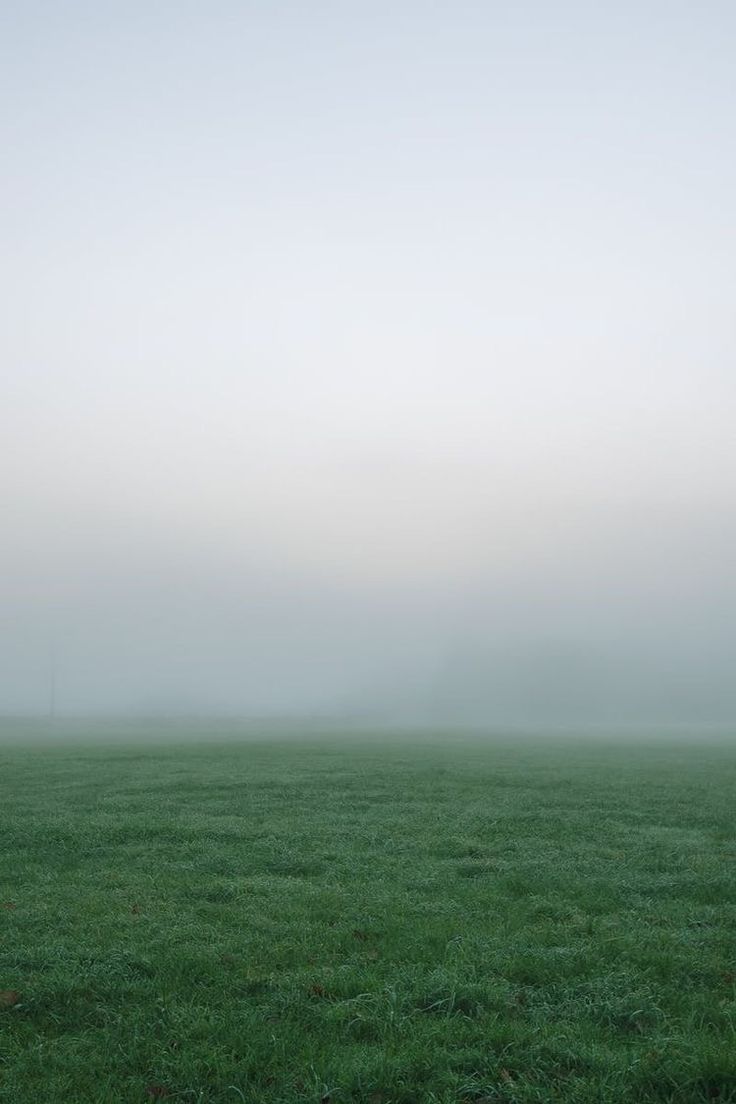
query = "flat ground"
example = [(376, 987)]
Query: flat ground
[(368, 921)]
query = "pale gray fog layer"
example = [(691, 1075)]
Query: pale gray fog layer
[(370, 359)]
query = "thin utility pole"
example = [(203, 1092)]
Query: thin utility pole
[(52, 681)]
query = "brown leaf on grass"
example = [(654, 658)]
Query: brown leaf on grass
[(318, 990), (361, 935), (8, 905), (9, 998), (156, 1092), (506, 1076), (135, 909)]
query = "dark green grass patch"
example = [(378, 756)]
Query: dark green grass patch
[(372, 922)]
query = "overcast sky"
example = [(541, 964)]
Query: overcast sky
[(369, 357)]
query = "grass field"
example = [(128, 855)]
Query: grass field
[(368, 921)]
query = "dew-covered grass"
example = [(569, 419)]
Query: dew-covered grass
[(385, 921)]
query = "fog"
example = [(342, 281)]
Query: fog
[(369, 361)]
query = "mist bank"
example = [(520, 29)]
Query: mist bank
[(616, 634)]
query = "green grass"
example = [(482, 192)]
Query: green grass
[(368, 921)]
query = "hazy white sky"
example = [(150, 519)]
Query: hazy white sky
[(360, 352)]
